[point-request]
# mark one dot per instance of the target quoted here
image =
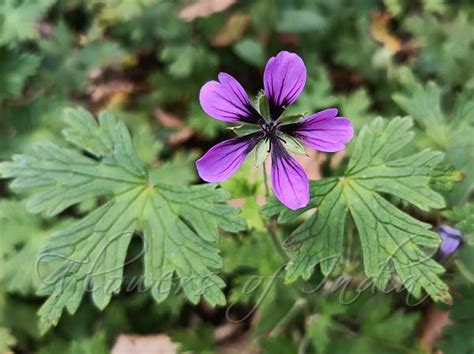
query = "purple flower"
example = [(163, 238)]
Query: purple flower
[(283, 80), (451, 240)]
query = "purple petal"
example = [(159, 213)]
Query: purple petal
[(322, 131), (227, 100), (283, 80), (225, 158), (451, 240), (289, 180)]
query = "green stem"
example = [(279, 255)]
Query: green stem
[(265, 182), (276, 242), (292, 312), (270, 225)]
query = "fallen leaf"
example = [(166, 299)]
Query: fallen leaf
[(380, 31), (111, 93), (168, 120), (153, 344), (181, 136), (232, 31), (203, 8)]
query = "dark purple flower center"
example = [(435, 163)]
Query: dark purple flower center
[(269, 127), (270, 130)]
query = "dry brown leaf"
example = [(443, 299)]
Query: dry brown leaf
[(203, 8), (380, 31), (111, 93), (232, 31), (152, 344), (168, 120), (172, 121), (180, 136)]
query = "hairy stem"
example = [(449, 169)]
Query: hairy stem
[(271, 226), (265, 180)]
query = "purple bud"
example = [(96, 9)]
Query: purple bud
[(451, 240)]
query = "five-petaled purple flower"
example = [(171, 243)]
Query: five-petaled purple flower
[(451, 239), (283, 80)]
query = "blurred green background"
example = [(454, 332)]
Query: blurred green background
[(146, 60)]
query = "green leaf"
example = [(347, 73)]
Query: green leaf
[(318, 331), (424, 105), (318, 93), (332, 330), (15, 68), (70, 64), (299, 21), (452, 133), (178, 223), (393, 242), (278, 344), (199, 121), (356, 106), (250, 51), (18, 19), (25, 234), (184, 59), (463, 216), (376, 331), (96, 344), (180, 170), (463, 219), (200, 340)]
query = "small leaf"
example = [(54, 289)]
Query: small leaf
[(263, 107), (19, 19), (299, 21), (293, 145), (291, 118), (452, 134), (261, 152), (250, 51), (463, 216), (245, 129)]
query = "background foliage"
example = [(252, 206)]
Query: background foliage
[(144, 61)]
